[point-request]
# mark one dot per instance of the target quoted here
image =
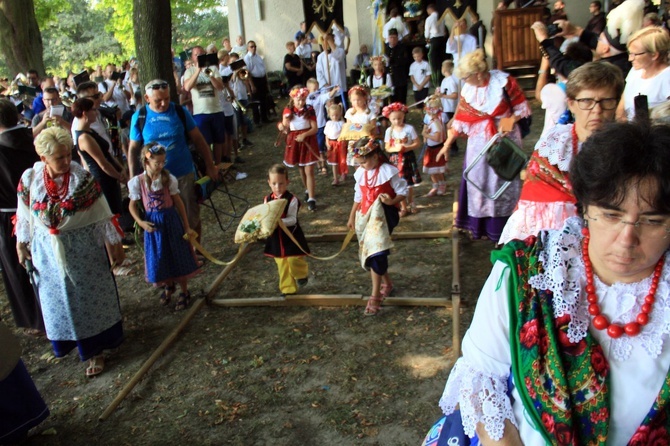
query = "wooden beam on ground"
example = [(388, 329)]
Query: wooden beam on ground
[(455, 284), (333, 300), (211, 290), (339, 236)]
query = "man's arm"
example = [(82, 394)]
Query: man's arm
[(203, 149), (110, 91), (191, 81), (133, 157)]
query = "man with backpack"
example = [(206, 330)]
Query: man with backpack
[(173, 127)]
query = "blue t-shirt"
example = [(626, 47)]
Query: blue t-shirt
[(167, 129)]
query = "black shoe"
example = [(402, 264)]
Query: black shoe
[(246, 142), (226, 159), (311, 204), (302, 282), (306, 196), (239, 160)]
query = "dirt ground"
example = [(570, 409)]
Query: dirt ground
[(277, 375)]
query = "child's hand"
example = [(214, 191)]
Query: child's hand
[(147, 226), (385, 198), (300, 137), (190, 233)]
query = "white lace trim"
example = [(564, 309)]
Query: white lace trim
[(486, 99), (564, 276), (482, 398), (556, 146)]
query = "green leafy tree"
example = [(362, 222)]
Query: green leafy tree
[(76, 39)]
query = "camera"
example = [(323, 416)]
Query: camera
[(553, 29)]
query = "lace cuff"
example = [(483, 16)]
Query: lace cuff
[(111, 234), (482, 398), (22, 230)]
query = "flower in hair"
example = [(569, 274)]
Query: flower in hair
[(396, 106), (364, 147), (299, 93), (358, 89)]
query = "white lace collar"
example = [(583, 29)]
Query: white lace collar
[(556, 146), (486, 99), (565, 277)]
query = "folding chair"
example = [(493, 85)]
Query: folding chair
[(482, 155), (232, 206)]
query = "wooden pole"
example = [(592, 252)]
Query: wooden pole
[(172, 336), (209, 292), (152, 359), (339, 236), (455, 285), (330, 300)]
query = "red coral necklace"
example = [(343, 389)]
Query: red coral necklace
[(55, 193), (600, 321)]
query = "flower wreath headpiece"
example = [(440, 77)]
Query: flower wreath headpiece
[(396, 106), (378, 58), (365, 146), (358, 89), (299, 93)]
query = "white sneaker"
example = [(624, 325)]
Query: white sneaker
[(241, 176)]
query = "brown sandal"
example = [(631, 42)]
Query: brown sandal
[(374, 305)]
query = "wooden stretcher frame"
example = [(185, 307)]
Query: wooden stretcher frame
[(313, 300)]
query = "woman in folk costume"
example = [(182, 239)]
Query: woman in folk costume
[(486, 97), (569, 341), (63, 222), (546, 201)]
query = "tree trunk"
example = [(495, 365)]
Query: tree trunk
[(152, 23), (20, 38)]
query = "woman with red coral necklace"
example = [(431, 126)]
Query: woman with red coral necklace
[(569, 341), (63, 221)]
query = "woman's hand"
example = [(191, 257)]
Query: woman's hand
[(23, 253), (541, 32), (351, 224), (123, 177), (443, 153), (146, 225)]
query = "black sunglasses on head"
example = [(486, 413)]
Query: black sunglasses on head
[(159, 86), (157, 149)]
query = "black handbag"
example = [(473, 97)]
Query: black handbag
[(506, 159)]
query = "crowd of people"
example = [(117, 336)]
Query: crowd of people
[(591, 209)]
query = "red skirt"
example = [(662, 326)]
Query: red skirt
[(337, 155), (430, 158), (301, 153)]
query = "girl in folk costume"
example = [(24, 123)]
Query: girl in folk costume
[(357, 117), (299, 121), (378, 191), (434, 134), (487, 98), (337, 150), (63, 222), (400, 141), (379, 79), (290, 259), (169, 259)]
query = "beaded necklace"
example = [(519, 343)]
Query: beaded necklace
[(600, 322)]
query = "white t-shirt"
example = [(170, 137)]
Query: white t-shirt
[(318, 103), (358, 118), (224, 97), (203, 94), (333, 129), (468, 45), (449, 85), (434, 130), (118, 96), (420, 71), (406, 135), (657, 89), (299, 123)]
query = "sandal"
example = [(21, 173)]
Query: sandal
[(121, 270), (182, 301), (335, 183), (374, 305), (403, 213), (95, 366), (385, 290), (166, 295)]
